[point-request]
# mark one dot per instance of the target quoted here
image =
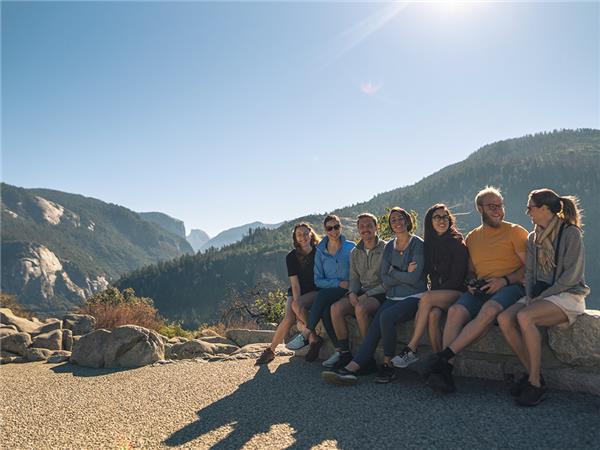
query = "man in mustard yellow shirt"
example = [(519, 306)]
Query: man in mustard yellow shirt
[(496, 270)]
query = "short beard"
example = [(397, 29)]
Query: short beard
[(486, 220)]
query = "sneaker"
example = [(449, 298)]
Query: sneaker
[(442, 381), (405, 358), (298, 342), (266, 357), (345, 358), (386, 374), (313, 351), (342, 377), (531, 395), (332, 360)]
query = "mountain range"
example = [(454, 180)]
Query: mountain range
[(192, 288)]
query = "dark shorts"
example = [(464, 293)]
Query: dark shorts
[(379, 297), (505, 297)]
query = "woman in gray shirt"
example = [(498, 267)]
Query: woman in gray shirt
[(554, 285)]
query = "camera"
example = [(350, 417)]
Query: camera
[(478, 284)]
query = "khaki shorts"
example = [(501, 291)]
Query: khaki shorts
[(571, 304)]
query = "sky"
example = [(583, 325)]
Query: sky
[(220, 114)]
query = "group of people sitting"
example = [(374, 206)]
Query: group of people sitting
[(497, 273)]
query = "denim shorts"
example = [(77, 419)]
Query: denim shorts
[(505, 297)]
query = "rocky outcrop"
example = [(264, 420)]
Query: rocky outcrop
[(79, 324), (59, 357), (33, 327), (132, 346), (16, 343), (88, 351), (37, 354), (67, 340), (192, 349), (50, 341), (579, 344)]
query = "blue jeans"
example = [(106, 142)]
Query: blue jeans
[(321, 310), (384, 327)]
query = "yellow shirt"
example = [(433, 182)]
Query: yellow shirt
[(493, 251)]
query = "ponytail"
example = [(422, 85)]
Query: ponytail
[(570, 213)]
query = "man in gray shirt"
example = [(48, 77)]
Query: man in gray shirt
[(366, 291)]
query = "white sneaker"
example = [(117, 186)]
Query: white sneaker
[(297, 342), (405, 358), (332, 360)]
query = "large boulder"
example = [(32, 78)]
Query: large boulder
[(37, 354), (245, 337), (133, 346), (67, 340), (88, 350), (16, 343), (79, 324), (28, 326), (579, 344), (50, 341), (192, 349)]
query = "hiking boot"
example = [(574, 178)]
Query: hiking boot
[(531, 395), (517, 387), (332, 360), (313, 350), (369, 368), (266, 357), (342, 377), (405, 358), (386, 374), (298, 342), (442, 381), (345, 358)]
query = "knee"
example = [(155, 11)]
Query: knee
[(337, 309), (505, 321), (435, 315), (524, 319), (488, 315), (455, 312), (360, 312), (425, 301)]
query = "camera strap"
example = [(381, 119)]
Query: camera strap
[(560, 232)]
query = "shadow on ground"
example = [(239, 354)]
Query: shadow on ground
[(79, 371), (404, 414)]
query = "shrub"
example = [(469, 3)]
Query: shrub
[(111, 308), (175, 329), (255, 306), (10, 301)]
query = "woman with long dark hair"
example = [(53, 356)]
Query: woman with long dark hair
[(446, 263), (554, 285), (302, 292)]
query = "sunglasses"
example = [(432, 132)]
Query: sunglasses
[(334, 227), (444, 218), (528, 208)]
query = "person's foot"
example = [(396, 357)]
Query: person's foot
[(432, 364), (386, 374), (531, 395), (405, 358), (369, 368), (345, 358), (313, 350), (342, 377), (267, 356), (332, 360), (442, 381), (298, 342), (517, 387)]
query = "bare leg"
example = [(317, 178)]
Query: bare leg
[(544, 314), (442, 299), (507, 321), (435, 330), (302, 305), (476, 327), (339, 311), (458, 317), (284, 327), (364, 313)]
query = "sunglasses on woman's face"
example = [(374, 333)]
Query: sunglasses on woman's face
[(334, 227)]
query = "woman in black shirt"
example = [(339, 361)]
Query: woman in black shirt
[(302, 292)]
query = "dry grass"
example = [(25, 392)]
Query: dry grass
[(113, 316)]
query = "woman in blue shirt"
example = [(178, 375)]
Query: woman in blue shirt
[(332, 275)]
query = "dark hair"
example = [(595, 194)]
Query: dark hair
[(314, 237), (367, 216), (408, 219), (331, 217), (429, 232), (567, 207)]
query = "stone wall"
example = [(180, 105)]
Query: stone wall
[(571, 357)]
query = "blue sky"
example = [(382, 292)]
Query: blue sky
[(220, 114)]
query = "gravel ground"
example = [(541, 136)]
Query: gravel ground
[(233, 404)]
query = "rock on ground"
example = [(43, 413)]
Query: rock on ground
[(245, 337), (88, 350), (192, 349), (79, 324), (16, 343), (578, 344), (37, 354), (51, 340), (133, 346)]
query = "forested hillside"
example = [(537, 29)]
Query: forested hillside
[(59, 248), (191, 287)]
